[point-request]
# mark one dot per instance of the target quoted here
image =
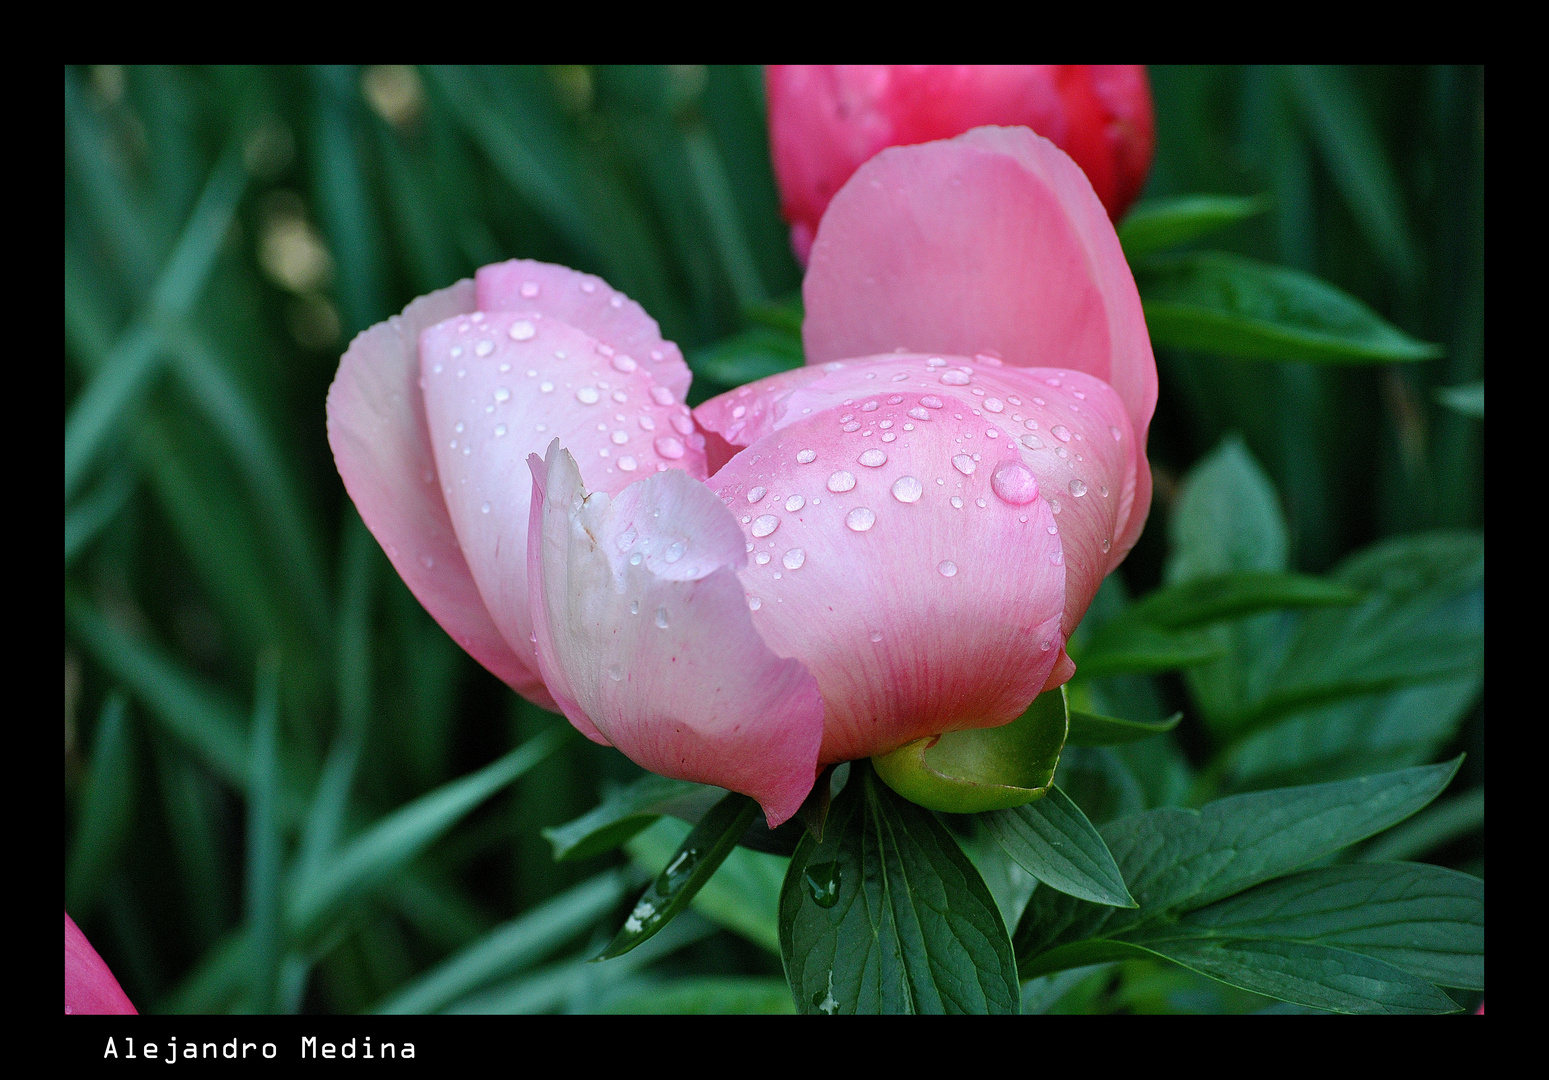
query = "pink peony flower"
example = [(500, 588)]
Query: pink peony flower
[(89, 986), (825, 120), (896, 539)]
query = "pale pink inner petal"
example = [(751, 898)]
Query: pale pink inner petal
[(500, 385), (743, 416), (587, 303), (645, 635), (900, 572), (990, 243), (1069, 428), (381, 445)]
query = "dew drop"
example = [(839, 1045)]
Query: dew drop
[(500, 429), (428, 562), (530, 289), (438, 368), (906, 489), (871, 406), (931, 401), (1077, 488), (588, 395), (794, 559), (762, 558), (1014, 483), (615, 672), (1106, 545), (624, 363), (919, 413), (841, 481), (1060, 432), (458, 427), (1057, 558), (964, 464), (994, 405), (1102, 489), (1054, 505), (484, 509), (661, 617), (1032, 442), (794, 503), (754, 603), (628, 464), (806, 457), (954, 378), (860, 519), (764, 525), (484, 348), (635, 559), (661, 395), (522, 330), (669, 447), (756, 494), (546, 387), (873, 459), (876, 636), (957, 503), (946, 568), (502, 394)]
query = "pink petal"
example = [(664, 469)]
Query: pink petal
[(500, 385), (899, 572), (90, 988), (1028, 408), (991, 243), (381, 445), (644, 633), (587, 303)]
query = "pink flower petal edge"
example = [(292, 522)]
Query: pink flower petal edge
[(644, 634), (381, 446), (90, 988), (993, 244)]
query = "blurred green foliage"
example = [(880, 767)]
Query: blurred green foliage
[(287, 789)]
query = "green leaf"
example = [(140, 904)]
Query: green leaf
[(1467, 398), (1052, 840), (370, 858), (887, 915), (1426, 920), (628, 810), (130, 365), (1316, 975), (263, 841), (513, 946), (696, 859), (93, 512), (1127, 647), (1231, 305), (966, 772), (1438, 824), (1089, 729), (748, 356), (1176, 860), (105, 810), (710, 996), (1202, 601), (1422, 620), (1100, 782), (1159, 224), (743, 895)]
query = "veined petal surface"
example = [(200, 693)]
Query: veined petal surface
[(644, 634), (888, 557), (590, 304), (381, 446), (500, 385)]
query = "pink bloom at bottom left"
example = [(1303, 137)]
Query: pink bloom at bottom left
[(90, 988)]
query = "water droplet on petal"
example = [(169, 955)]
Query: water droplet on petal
[(661, 617), (628, 464), (994, 405), (957, 502), (636, 559), (794, 503), (1014, 483), (484, 348), (946, 568), (546, 387), (754, 603), (1057, 558), (588, 395), (871, 406), (1032, 442), (964, 464), (624, 363), (860, 519), (619, 438), (764, 525), (876, 636), (906, 489), (484, 509), (522, 330), (500, 429), (661, 395), (794, 559), (1106, 545), (954, 378), (841, 481), (931, 401), (762, 558), (669, 447), (1060, 432), (1054, 505), (428, 562), (873, 459), (756, 494)]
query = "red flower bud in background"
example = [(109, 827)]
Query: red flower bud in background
[(89, 986), (825, 121)]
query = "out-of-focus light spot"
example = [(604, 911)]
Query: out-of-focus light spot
[(394, 92), (313, 321), (289, 249)]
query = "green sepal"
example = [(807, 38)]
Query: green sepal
[(969, 772)]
